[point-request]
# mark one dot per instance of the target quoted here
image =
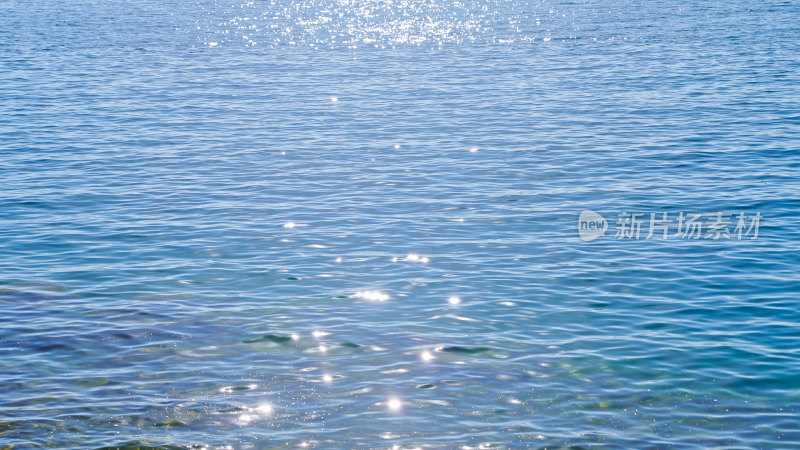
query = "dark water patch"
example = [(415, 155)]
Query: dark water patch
[(235, 409), (274, 338), (170, 423), (599, 305), (142, 445), (52, 347), (94, 382), (120, 336), (655, 325), (467, 350)]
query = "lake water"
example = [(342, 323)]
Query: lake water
[(343, 224)]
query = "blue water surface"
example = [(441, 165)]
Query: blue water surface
[(337, 224)]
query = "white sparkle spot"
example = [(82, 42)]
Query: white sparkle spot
[(327, 378), (454, 300), (473, 149), (339, 259), (412, 257), (323, 349), (289, 225), (320, 334), (295, 337), (334, 99), (394, 259), (245, 418), (373, 296), (425, 259), (264, 408), (394, 404), (426, 356), (397, 146)]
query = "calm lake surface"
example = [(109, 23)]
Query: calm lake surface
[(337, 224)]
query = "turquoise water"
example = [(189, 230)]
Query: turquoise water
[(345, 224)]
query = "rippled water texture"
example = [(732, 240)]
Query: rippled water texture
[(354, 223)]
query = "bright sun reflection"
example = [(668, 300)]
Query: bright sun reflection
[(413, 257), (373, 296), (394, 404), (264, 408)]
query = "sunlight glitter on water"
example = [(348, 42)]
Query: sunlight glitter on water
[(373, 296), (191, 190), (394, 404)]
